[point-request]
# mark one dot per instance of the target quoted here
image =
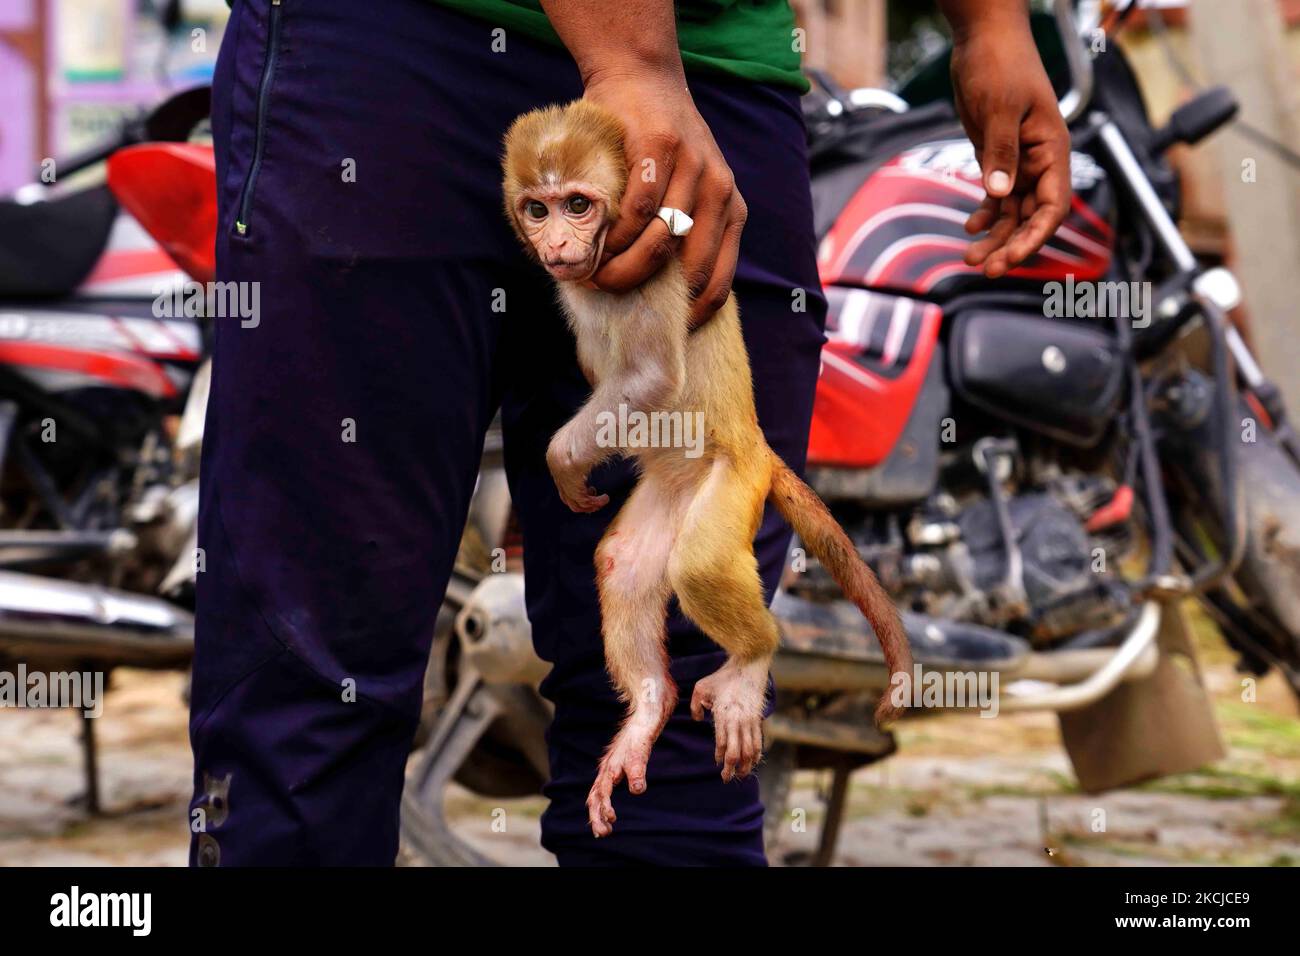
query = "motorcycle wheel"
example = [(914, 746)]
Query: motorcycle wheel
[(1269, 574)]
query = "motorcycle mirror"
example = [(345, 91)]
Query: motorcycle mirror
[(1197, 118), (174, 119)]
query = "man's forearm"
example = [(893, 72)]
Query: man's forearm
[(966, 16), (608, 38)]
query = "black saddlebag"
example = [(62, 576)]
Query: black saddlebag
[(1052, 375)]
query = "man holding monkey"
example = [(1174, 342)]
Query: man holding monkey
[(344, 432)]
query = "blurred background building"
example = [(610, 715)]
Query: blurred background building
[(71, 69)]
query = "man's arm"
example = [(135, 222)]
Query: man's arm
[(629, 61), (1010, 112)]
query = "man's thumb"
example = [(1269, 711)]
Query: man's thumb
[(1001, 156)]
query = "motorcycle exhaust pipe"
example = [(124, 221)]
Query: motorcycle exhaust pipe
[(826, 646), (495, 636), (49, 623)]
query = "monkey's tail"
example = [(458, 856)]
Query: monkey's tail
[(822, 535)]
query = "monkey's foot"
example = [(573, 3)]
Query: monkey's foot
[(626, 758), (735, 694)]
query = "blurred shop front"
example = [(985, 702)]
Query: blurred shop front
[(73, 69)]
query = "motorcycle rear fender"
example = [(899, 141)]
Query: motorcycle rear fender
[(171, 188)]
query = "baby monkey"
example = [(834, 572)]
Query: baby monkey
[(688, 527)]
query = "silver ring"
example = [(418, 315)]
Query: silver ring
[(678, 223)]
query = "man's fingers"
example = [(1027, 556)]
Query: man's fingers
[(983, 217), (1032, 234), (644, 258), (996, 265), (1008, 219), (649, 174), (714, 296), (1000, 153), (651, 249), (700, 248), (1050, 206)]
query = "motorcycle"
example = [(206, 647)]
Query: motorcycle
[(102, 391), (1039, 468)]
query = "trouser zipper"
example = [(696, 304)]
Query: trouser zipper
[(259, 134)]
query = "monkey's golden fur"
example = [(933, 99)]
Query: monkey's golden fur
[(688, 527)]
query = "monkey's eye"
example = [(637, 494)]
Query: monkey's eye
[(535, 209), (578, 205)]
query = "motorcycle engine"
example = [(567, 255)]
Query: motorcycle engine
[(950, 559), (1061, 583)]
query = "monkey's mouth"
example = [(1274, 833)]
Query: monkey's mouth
[(569, 270)]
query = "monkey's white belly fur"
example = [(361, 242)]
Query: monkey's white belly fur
[(713, 373)]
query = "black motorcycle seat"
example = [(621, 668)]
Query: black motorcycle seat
[(48, 248)]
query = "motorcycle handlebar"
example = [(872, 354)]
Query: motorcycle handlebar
[(89, 157), (1076, 99), (172, 120)]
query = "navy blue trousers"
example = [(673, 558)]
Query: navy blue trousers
[(345, 428)]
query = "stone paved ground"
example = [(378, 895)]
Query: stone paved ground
[(963, 791)]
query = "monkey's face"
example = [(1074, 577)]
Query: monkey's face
[(564, 176), (565, 224)]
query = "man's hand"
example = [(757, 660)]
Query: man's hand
[(673, 161), (1009, 110), (628, 58)]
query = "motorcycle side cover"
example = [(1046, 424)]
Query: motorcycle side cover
[(874, 364)]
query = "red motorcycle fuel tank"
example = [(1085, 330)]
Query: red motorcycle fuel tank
[(903, 230), (892, 256)]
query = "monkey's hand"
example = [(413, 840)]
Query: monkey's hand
[(570, 475)]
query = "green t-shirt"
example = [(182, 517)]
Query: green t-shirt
[(750, 39)]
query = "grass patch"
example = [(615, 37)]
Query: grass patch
[(1285, 825), (1251, 727), (1223, 784)]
